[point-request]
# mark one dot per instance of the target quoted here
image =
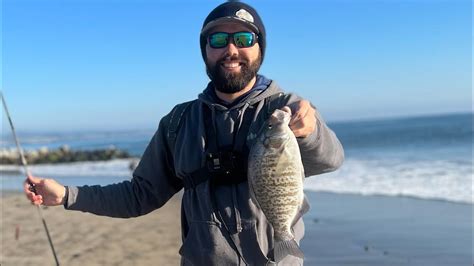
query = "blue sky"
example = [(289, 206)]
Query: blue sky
[(110, 65)]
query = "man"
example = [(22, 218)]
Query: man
[(202, 146)]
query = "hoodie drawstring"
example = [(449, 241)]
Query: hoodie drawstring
[(241, 120), (214, 126), (238, 221)]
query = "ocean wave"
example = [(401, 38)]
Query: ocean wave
[(116, 167), (448, 180)]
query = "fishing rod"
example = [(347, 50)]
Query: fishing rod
[(27, 172)]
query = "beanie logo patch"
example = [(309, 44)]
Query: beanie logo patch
[(244, 14)]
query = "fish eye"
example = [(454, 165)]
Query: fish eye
[(269, 126)]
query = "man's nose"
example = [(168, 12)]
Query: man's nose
[(231, 49)]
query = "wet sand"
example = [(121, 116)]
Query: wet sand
[(344, 229)]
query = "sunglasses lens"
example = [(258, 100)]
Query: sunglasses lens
[(218, 40), (243, 39)]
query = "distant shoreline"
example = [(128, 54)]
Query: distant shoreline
[(62, 155)]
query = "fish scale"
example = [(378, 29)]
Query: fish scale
[(275, 176)]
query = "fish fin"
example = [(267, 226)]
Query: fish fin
[(302, 209), (285, 248)]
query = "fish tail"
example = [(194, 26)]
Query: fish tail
[(285, 248)]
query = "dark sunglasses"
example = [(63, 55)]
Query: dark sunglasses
[(242, 39)]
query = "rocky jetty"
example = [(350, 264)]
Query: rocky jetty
[(62, 155)]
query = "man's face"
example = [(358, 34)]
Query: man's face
[(231, 68)]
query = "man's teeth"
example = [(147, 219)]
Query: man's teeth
[(231, 65)]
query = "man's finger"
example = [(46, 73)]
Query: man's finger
[(298, 133), (30, 196), (38, 198), (299, 114), (27, 188), (286, 109)]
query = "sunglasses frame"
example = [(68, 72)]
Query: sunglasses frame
[(230, 36)]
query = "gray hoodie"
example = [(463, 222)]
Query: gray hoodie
[(227, 228)]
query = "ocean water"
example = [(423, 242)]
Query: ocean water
[(426, 157), (423, 157)]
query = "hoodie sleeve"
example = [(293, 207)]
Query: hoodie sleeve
[(152, 185), (321, 151)]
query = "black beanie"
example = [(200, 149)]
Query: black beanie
[(233, 11)]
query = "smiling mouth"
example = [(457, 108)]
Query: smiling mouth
[(231, 65)]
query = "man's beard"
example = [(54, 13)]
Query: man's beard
[(229, 82)]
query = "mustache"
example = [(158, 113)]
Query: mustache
[(233, 58)]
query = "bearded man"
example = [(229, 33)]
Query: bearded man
[(202, 147)]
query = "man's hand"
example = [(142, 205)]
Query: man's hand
[(303, 119), (48, 191)]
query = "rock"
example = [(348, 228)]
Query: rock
[(65, 149), (133, 164), (62, 155), (43, 150)]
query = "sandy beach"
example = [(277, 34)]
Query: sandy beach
[(341, 229), (86, 239)]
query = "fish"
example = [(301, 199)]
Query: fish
[(275, 179)]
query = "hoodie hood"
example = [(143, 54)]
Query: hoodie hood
[(262, 89)]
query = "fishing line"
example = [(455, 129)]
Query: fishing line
[(27, 172)]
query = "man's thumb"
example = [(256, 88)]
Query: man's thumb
[(287, 109), (33, 180)]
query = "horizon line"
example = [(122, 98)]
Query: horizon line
[(147, 129)]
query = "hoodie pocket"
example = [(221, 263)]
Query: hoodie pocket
[(250, 244), (207, 244)]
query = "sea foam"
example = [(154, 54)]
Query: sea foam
[(117, 167), (435, 179)]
